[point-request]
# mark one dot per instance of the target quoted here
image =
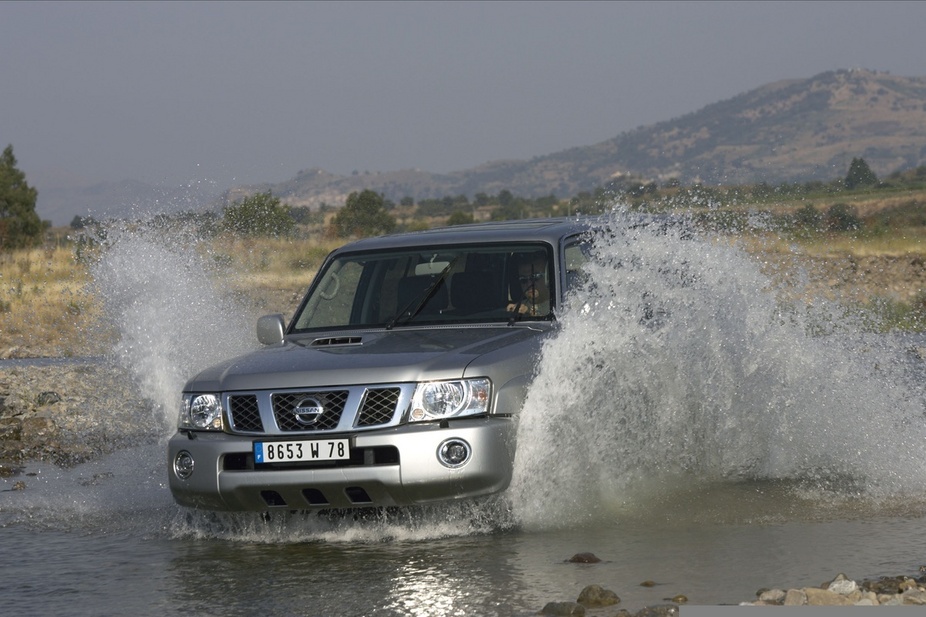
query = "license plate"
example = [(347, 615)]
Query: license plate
[(301, 451)]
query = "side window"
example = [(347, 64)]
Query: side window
[(575, 256)]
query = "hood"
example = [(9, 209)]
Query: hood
[(341, 359)]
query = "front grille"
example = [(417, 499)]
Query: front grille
[(378, 406), (302, 411), (245, 413), (285, 410)]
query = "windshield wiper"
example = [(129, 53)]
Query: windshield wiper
[(419, 303)]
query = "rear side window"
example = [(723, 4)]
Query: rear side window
[(576, 254)]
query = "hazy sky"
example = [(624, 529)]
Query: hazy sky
[(178, 92)]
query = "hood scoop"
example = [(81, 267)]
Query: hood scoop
[(337, 341)]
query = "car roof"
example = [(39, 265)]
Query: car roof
[(547, 230)]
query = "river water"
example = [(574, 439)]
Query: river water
[(687, 426)]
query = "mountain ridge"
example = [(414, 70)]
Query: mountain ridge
[(792, 130)]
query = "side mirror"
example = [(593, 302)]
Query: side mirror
[(270, 329)]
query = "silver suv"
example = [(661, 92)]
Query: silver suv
[(397, 382)]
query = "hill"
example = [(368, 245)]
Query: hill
[(788, 131)]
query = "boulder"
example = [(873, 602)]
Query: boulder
[(825, 597), (595, 596), (584, 558), (563, 609)]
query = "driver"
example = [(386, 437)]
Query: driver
[(533, 278)]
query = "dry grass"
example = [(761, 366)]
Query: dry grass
[(46, 308), (44, 304), (909, 242), (272, 273), (896, 244)]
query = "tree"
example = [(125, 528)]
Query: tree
[(842, 217), (460, 218), (860, 174), (363, 214), (20, 226), (808, 218), (83, 222), (258, 215)]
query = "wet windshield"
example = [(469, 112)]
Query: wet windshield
[(453, 284)]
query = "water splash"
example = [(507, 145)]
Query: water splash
[(677, 366), (361, 526), (164, 297)]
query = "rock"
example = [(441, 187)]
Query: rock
[(772, 596), (19, 485), (648, 584), (884, 585), (905, 584), (679, 599), (842, 585), (795, 597), (38, 428), (658, 610), (8, 471), (9, 352), (11, 429), (47, 398), (825, 597), (565, 609), (595, 596), (869, 596), (584, 558), (914, 596)]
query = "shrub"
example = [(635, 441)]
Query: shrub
[(258, 215)]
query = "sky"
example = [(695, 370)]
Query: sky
[(231, 93)]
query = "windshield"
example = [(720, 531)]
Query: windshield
[(453, 284)]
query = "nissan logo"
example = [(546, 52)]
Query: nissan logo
[(308, 411)]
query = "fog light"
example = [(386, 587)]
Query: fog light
[(454, 453), (183, 465)]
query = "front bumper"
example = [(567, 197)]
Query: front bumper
[(416, 477)]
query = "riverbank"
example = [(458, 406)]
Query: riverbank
[(841, 591), (52, 412)]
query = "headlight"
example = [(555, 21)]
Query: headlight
[(201, 411), (435, 400)]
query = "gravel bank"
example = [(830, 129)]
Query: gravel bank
[(841, 591), (52, 413)]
